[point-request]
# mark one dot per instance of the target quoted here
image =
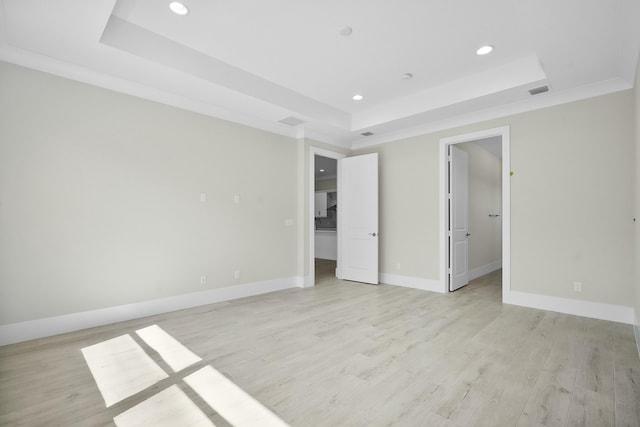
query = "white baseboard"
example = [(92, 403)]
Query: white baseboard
[(596, 310), (411, 282), (306, 282), (484, 269), (39, 328)]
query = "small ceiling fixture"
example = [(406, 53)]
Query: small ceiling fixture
[(346, 31), (406, 76), (538, 90), (291, 121), (357, 97), (484, 50), (321, 170), (366, 133), (178, 8)]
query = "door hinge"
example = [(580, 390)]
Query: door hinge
[(450, 196), (449, 233), (450, 271)]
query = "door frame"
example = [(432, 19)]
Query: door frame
[(311, 248), (504, 132)]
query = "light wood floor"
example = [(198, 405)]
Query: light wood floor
[(325, 271), (351, 354)]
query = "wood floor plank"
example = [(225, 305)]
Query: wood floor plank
[(549, 400), (513, 388), (627, 378), (593, 395)]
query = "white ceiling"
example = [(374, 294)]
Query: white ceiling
[(257, 62)]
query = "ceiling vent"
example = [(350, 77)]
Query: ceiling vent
[(291, 121), (538, 90), (366, 133)]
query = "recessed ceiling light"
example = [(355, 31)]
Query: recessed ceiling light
[(178, 8), (321, 170), (406, 76), (357, 97), (484, 50)]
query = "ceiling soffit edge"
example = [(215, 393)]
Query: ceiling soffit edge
[(142, 43), (102, 80), (549, 99), (63, 69), (518, 73)]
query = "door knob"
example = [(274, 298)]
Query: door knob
[(468, 234), (372, 234)]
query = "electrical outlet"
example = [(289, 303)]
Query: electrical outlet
[(577, 286), (203, 197), (203, 280), (236, 274), (397, 266), (236, 199)]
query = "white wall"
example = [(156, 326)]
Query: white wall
[(100, 199), (485, 197), (571, 200)]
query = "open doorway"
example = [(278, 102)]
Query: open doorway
[(325, 218), (480, 247), (475, 238), (323, 206)]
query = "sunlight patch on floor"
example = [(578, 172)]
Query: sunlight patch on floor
[(229, 400), (169, 408), (121, 368), (171, 350)]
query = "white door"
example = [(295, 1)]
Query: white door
[(458, 218), (358, 218)]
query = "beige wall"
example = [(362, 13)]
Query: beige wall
[(485, 197), (99, 199), (409, 212), (637, 200), (571, 200)]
